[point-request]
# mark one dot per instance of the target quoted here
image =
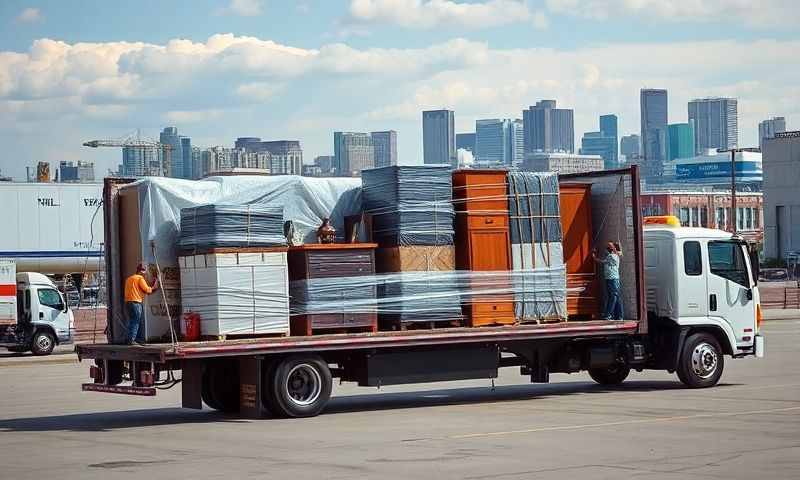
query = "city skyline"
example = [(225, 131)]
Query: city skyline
[(223, 74)]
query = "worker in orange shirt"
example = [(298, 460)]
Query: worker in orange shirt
[(136, 287)]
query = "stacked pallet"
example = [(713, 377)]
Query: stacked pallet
[(234, 270), (412, 220)]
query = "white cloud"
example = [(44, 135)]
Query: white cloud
[(761, 13), (426, 14), (192, 116), (30, 15), (259, 91), (243, 8)]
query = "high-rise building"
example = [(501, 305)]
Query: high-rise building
[(197, 163), (285, 156), (353, 152), (325, 164), (465, 141), (141, 161), (547, 128), (385, 148), (768, 128), (517, 139), (653, 110), (596, 143), (492, 142), (681, 140), (781, 202), (608, 127), (629, 146), (716, 123), (70, 172), (176, 154), (561, 162), (439, 138)]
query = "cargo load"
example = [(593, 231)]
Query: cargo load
[(214, 226)]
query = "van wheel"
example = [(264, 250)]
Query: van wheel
[(298, 386), (43, 343), (611, 375), (701, 362), (220, 389)]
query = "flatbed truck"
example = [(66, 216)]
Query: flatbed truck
[(694, 291)]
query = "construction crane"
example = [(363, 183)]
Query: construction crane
[(161, 162)]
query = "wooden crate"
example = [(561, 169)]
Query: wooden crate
[(416, 258)]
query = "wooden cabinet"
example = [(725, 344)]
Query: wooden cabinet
[(483, 242), (320, 303), (576, 225)]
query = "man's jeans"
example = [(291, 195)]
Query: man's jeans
[(135, 312), (613, 300)]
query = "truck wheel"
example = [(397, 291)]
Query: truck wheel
[(220, 389), (611, 375), (299, 386), (701, 361), (43, 343)]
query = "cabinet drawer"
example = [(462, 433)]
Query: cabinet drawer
[(479, 307), (487, 221)]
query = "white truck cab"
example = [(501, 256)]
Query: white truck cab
[(37, 318), (702, 281)]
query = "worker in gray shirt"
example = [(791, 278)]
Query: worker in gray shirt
[(610, 263)]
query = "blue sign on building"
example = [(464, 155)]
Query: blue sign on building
[(746, 171)]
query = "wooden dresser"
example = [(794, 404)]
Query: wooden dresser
[(322, 301), (480, 198), (576, 224)]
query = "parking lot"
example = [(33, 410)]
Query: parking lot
[(651, 427)]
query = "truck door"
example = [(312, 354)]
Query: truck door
[(691, 283), (730, 294), (50, 307)]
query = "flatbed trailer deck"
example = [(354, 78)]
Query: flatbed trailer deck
[(166, 352)]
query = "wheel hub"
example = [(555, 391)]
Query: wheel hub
[(304, 384), (705, 360), (43, 342)]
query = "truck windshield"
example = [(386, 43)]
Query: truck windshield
[(727, 261)]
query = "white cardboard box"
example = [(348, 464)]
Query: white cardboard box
[(236, 293)]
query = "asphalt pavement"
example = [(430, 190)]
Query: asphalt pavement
[(650, 427)]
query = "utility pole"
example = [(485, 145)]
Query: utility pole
[(734, 151)]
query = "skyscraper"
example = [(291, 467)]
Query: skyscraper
[(174, 157), (517, 142), (547, 128), (353, 152), (385, 144), (492, 141), (768, 128), (596, 143), (141, 161), (439, 138), (608, 127), (629, 146), (681, 141), (465, 141), (653, 110), (285, 156), (716, 123)]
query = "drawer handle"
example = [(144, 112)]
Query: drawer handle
[(489, 220)]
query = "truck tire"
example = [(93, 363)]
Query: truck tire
[(701, 361), (611, 375), (299, 386), (220, 389), (43, 343)]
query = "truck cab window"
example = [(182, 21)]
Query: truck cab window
[(692, 262), (727, 261), (50, 298)]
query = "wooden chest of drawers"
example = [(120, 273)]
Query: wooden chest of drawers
[(323, 303), (483, 242)]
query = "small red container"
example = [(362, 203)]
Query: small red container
[(191, 327)]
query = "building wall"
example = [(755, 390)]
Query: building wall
[(561, 162), (681, 141), (492, 141), (629, 146), (707, 209), (782, 194), (385, 144), (465, 141), (548, 129), (653, 108), (716, 123), (768, 128), (439, 138)]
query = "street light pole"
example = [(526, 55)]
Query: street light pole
[(734, 151)]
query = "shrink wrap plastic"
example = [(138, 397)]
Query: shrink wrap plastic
[(212, 226), (410, 205)]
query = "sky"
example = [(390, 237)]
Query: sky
[(221, 69)]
